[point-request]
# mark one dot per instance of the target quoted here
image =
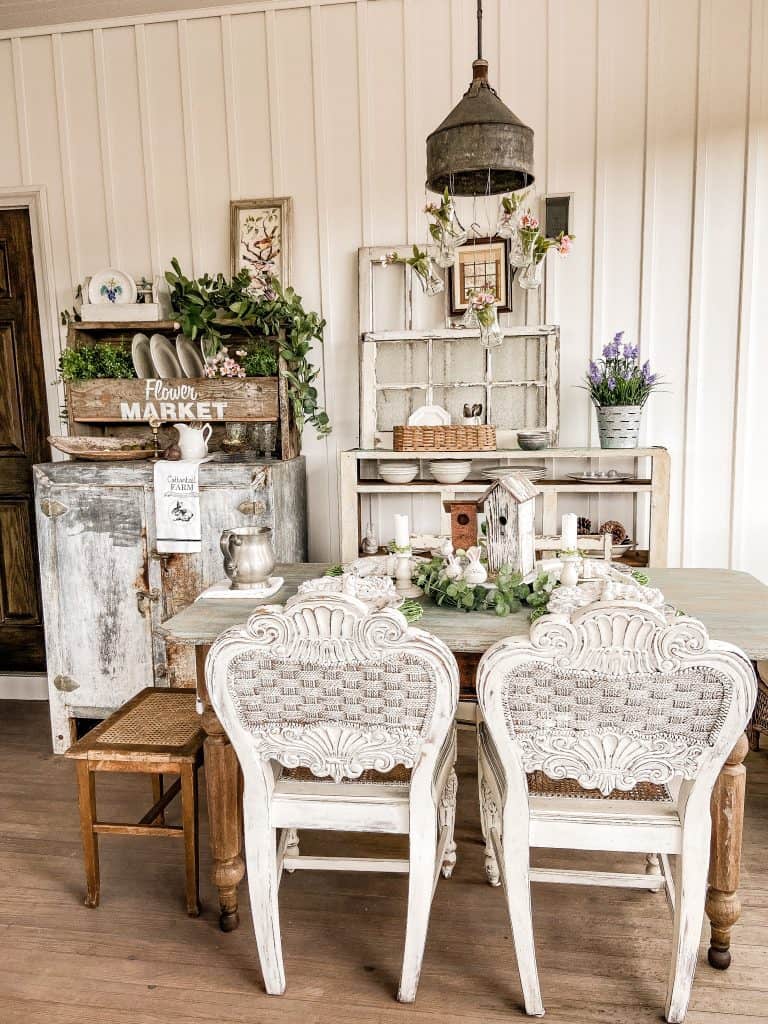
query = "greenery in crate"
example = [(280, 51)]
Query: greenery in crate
[(509, 595), (208, 307), (92, 362)]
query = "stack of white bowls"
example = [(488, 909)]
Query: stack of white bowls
[(450, 471), (398, 472)]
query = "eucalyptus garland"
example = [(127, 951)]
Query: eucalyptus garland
[(510, 593)]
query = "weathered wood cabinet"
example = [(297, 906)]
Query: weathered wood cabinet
[(105, 587)]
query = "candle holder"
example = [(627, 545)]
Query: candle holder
[(403, 571), (569, 575)]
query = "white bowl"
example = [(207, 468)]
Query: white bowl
[(398, 472), (450, 471)]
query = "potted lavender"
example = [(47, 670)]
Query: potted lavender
[(619, 388)]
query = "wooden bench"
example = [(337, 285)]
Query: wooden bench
[(157, 732)]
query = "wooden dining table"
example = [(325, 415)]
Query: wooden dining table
[(732, 605)]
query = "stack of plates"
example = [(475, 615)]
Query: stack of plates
[(534, 473), (158, 357)]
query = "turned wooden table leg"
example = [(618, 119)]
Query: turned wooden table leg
[(723, 904), (222, 782)]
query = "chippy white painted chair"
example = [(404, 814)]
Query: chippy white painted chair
[(643, 711), (325, 689)]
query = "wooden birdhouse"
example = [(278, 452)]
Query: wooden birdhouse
[(463, 523), (509, 505)]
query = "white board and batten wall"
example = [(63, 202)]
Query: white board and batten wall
[(653, 113)]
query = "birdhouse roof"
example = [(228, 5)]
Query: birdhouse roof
[(516, 485)]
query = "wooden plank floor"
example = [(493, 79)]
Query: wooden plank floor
[(138, 959)]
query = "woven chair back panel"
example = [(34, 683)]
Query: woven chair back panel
[(395, 694), (689, 705)]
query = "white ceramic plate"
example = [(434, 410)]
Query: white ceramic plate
[(430, 416), (189, 356), (164, 357), (112, 286), (142, 360)]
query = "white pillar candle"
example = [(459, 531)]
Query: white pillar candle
[(402, 532), (568, 534)]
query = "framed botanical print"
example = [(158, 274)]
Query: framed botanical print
[(260, 237), (481, 263)]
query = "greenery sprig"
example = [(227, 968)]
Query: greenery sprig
[(510, 593), (208, 307)]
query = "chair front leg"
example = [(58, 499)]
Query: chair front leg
[(447, 820), (690, 892), (514, 856), (421, 883), (261, 863)]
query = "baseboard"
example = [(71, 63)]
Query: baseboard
[(23, 686)]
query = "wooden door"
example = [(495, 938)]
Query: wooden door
[(23, 430)]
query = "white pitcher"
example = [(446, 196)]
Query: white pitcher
[(193, 441)]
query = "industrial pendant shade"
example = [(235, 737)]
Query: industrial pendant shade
[(481, 148)]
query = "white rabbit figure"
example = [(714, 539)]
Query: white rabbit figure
[(453, 570), (446, 548), (474, 572)]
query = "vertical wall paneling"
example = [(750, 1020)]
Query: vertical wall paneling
[(230, 105), (104, 115), (750, 500), (142, 129), (63, 124), (143, 87), (22, 120), (364, 118), (717, 273), (668, 225), (10, 124), (205, 97), (251, 163), (275, 112)]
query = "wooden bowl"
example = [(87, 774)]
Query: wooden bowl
[(101, 449)]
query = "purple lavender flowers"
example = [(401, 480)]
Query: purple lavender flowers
[(617, 378)]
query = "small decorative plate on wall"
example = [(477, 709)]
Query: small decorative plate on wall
[(113, 286)]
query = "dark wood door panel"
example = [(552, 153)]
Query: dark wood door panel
[(23, 430), (18, 594)]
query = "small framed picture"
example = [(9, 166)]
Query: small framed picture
[(481, 263), (260, 238)]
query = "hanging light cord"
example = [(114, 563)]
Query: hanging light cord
[(479, 29)]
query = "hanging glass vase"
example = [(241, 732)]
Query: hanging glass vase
[(429, 278), (506, 226), (490, 331), (532, 274), (446, 254), (469, 321)]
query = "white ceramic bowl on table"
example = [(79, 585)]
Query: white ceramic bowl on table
[(450, 471), (398, 472)]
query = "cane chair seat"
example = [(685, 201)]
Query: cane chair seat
[(399, 776), (540, 785)]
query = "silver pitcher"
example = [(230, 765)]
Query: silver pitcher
[(248, 555)]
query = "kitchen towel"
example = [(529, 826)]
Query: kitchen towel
[(177, 506)]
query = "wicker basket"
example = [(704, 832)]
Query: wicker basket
[(445, 439)]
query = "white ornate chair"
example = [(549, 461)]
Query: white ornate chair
[(637, 713), (341, 720)]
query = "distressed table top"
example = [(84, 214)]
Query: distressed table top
[(732, 605)]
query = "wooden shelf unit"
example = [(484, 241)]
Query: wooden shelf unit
[(359, 477)]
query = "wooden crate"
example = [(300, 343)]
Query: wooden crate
[(124, 406)]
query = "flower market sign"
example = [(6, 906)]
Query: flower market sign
[(176, 401)]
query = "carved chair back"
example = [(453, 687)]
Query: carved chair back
[(326, 685), (616, 696)]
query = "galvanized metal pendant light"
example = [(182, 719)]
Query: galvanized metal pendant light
[(481, 148)]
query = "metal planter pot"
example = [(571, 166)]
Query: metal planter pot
[(619, 425)]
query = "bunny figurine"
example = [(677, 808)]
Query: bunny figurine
[(475, 572), (453, 570)]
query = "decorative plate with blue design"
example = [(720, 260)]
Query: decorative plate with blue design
[(112, 286)]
